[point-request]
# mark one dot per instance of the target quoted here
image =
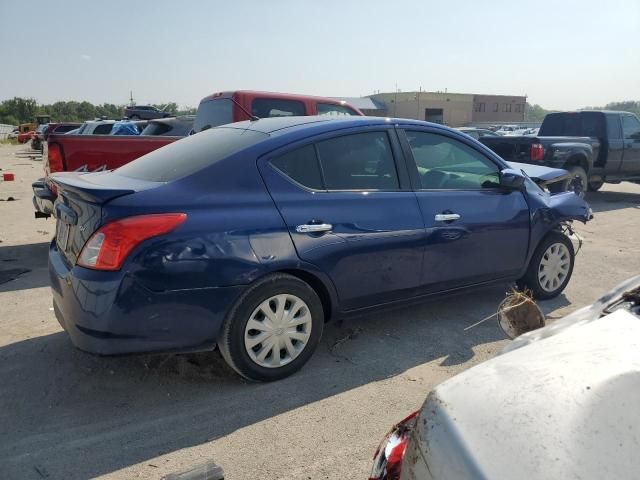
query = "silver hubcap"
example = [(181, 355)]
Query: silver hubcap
[(554, 267), (278, 331)]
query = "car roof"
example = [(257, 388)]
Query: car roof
[(279, 95), (280, 125)]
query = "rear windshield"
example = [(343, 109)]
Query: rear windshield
[(582, 124), (190, 154), (213, 113)]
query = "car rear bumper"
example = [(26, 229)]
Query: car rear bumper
[(43, 199), (110, 313)]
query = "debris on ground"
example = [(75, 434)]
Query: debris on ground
[(519, 313)]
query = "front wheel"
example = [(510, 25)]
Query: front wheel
[(550, 268), (273, 328)]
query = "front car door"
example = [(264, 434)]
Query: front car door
[(476, 232), (350, 211), (631, 132)]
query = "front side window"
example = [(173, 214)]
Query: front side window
[(444, 163), (273, 107), (631, 128), (333, 110), (361, 161)]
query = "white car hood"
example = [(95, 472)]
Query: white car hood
[(560, 403)]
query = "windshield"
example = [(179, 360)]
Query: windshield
[(190, 154), (213, 113)]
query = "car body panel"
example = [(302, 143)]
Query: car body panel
[(558, 403)]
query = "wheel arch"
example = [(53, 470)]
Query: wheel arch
[(578, 159), (329, 302)]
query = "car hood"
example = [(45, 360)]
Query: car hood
[(540, 174), (560, 402)]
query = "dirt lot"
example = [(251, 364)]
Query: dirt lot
[(66, 414)]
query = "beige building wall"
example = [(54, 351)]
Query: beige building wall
[(498, 108), (458, 109)]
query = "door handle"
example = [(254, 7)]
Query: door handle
[(446, 217), (314, 228)]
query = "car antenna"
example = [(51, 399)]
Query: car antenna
[(251, 115)]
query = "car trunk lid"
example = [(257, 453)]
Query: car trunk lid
[(78, 207)]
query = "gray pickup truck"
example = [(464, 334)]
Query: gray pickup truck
[(594, 146)]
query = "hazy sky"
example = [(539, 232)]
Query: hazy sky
[(562, 54)]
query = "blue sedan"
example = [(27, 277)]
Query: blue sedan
[(251, 236)]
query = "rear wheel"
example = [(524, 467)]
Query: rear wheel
[(594, 186), (550, 268), (273, 328)]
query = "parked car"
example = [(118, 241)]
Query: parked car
[(505, 129), (13, 134), (478, 132), (96, 127), (594, 146), (73, 152), (145, 112), (557, 403), (176, 127), (24, 137), (252, 235)]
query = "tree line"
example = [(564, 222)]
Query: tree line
[(24, 110), (535, 113)]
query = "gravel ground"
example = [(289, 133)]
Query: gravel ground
[(70, 415)]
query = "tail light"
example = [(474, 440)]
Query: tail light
[(54, 158), (537, 152), (110, 245), (387, 461)]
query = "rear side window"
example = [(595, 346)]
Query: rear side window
[(213, 113), (156, 128), (272, 107), (582, 124), (301, 165), (362, 161), (613, 127), (103, 129), (190, 154), (333, 110)]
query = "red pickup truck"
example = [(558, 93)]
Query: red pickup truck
[(65, 153)]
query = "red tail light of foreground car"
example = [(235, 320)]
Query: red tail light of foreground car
[(387, 461), (108, 248)]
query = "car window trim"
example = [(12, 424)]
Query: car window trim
[(412, 166)]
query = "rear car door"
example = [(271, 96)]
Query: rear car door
[(350, 211), (631, 133), (475, 230)]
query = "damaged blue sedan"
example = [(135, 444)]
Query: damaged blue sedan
[(250, 236)]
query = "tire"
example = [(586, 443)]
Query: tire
[(542, 287), (594, 186), (265, 294), (578, 181)]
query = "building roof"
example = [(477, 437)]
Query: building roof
[(362, 103)]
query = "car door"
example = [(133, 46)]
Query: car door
[(475, 231), (350, 211), (631, 159)]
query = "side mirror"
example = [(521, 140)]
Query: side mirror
[(511, 179)]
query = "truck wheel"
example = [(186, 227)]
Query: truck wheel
[(577, 181), (550, 268), (595, 186), (273, 328)]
